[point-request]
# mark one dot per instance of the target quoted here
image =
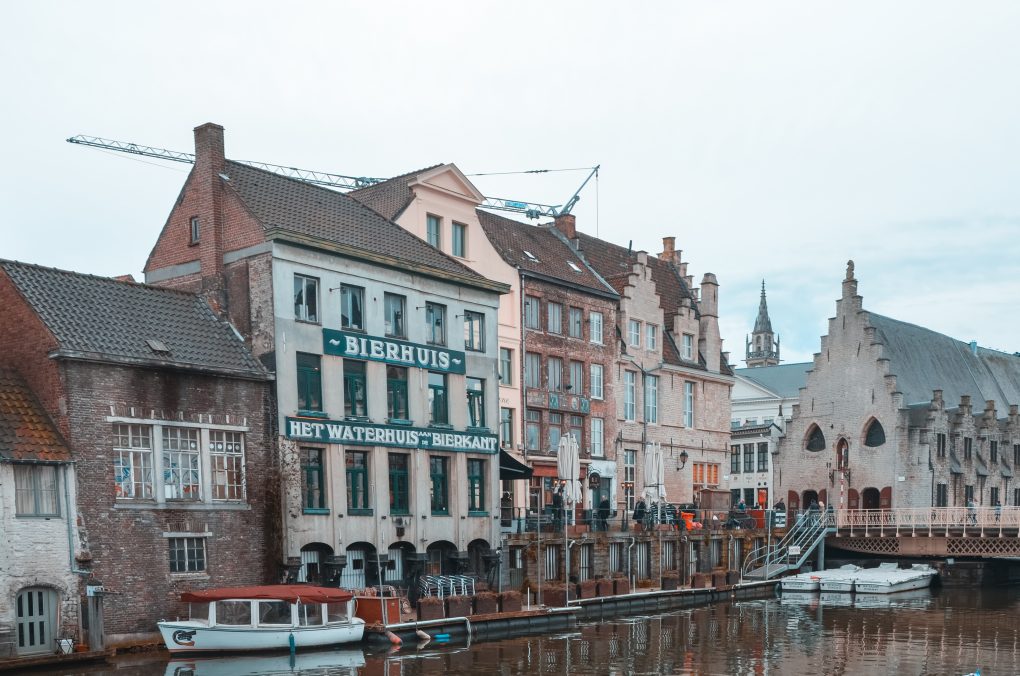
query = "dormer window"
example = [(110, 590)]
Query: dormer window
[(196, 230), (532, 258), (573, 266)]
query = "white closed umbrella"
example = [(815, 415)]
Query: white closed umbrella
[(655, 474), (568, 468)]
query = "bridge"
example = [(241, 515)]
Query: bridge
[(966, 532)]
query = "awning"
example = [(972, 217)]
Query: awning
[(1007, 473), (954, 464), (511, 468), (981, 469), (291, 593)]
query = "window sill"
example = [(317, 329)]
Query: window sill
[(440, 514), (441, 426), (185, 506), (399, 421), (473, 513), (360, 512), (311, 322), (356, 418), (189, 576), (30, 517), (316, 510), (312, 414), (400, 514), (477, 430)]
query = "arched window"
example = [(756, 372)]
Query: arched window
[(875, 436), (815, 439)]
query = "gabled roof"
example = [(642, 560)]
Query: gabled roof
[(550, 256), (26, 432), (101, 319), (392, 196), (783, 380), (315, 216), (924, 360)]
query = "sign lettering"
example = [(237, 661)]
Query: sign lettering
[(391, 351), (399, 436)]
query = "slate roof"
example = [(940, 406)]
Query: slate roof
[(103, 319), (316, 214), (782, 379), (512, 239), (392, 196), (26, 432), (924, 360)]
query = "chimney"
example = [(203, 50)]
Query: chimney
[(567, 224), (709, 339), (668, 249), (209, 147), (207, 182)]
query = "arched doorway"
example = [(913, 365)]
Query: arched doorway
[(440, 562), (853, 499), (396, 572), (36, 616), (793, 501), (808, 498), (869, 498), (313, 558), (842, 455), (362, 570)]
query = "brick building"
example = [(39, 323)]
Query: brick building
[(886, 418), (165, 413), (385, 361)]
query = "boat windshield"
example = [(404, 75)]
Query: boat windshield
[(233, 612), (274, 612), (309, 614), (337, 612), (199, 612)]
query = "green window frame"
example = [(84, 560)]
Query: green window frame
[(476, 402), (355, 389), (313, 486), (439, 404), (399, 483), (476, 487), (36, 490), (357, 482), (439, 475), (396, 394), (309, 382)]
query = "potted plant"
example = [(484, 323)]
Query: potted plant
[(431, 608), (587, 589), (486, 602), (555, 595), (510, 602), (670, 580), (458, 606), (604, 587)]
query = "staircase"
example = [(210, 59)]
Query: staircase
[(792, 550)]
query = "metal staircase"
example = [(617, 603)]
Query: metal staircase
[(792, 550)]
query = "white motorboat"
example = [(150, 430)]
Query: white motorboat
[(889, 579), (803, 582), (840, 579), (273, 617)]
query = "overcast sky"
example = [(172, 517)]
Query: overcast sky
[(775, 140)]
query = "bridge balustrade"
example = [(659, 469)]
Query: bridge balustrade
[(992, 521)]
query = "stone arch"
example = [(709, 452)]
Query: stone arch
[(313, 560), (842, 453), (853, 499), (814, 440), (874, 433), (397, 570), (440, 555), (362, 568), (793, 501), (808, 497), (477, 551)]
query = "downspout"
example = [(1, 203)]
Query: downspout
[(70, 531), (630, 575)]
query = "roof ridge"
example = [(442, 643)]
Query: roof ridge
[(89, 275), (416, 172)]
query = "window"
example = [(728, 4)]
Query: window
[(531, 313), (576, 430), (652, 399), (433, 230), (577, 377), (506, 427), (705, 473), (941, 495), (634, 333), (816, 440), (476, 486), (532, 370), (875, 436), (313, 488), (629, 395), (352, 305), (554, 318), (306, 298), (629, 461), (355, 389), (274, 613), (396, 393), (763, 456), (357, 480), (687, 346), (595, 327), (187, 555), (435, 324), (226, 451), (748, 457), (968, 447), (181, 454), (474, 331), (476, 402), (399, 485), (1016, 455), (234, 613), (651, 337), (395, 307), (993, 496), (195, 230), (993, 451), (554, 366), (459, 240), (1016, 497), (439, 408), (597, 438), (575, 322), (940, 445), (309, 382), (735, 459), (596, 381), (132, 463), (506, 366), (439, 469), (968, 494), (35, 490), (688, 404), (533, 430), (555, 430)]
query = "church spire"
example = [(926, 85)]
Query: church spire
[(762, 346)]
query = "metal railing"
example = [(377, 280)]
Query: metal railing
[(793, 548), (914, 521)]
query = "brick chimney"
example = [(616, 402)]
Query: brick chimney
[(567, 224), (668, 249), (709, 338), (210, 163)]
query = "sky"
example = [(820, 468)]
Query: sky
[(775, 140)]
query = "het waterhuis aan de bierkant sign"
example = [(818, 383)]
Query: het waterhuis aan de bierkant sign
[(398, 436), (391, 351)]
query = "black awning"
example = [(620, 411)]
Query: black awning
[(511, 468)]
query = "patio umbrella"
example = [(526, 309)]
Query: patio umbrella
[(568, 468), (655, 474)]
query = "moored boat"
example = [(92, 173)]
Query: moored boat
[(890, 580), (840, 579), (272, 617), (803, 582)]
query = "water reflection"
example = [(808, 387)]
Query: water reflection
[(953, 632)]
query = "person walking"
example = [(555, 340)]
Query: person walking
[(972, 511), (640, 511), (604, 513), (557, 505)]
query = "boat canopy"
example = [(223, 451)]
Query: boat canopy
[(291, 593)]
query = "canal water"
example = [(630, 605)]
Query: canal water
[(950, 631)]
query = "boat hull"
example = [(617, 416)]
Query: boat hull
[(191, 637), (920, 581), (796, 583)]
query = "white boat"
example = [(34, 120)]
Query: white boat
[(840, 579), (273, 617), (803, 582), (889, 579), (328, 661)]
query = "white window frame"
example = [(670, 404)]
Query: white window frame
[(630, 395), (597, 438), (633, 333), (595, 328), (687, 346), (554, 318), (227, 457), (532, 312), (459, 240), (595, 381), (651, 337), (532, 376), (688, 404), (575, 322), (301, 312), (652, 399), (554, 384), (436, 235)]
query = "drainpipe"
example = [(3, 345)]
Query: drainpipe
[(70, 531), (630, 574)]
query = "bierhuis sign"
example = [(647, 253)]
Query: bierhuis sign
[(400, 436), (391, 351)]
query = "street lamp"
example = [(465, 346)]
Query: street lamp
[(683, 460)]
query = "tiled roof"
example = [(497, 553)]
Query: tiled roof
[(320, 214), (101, 318), (551, 256), (391, 197), (26, 432), (784, 380)]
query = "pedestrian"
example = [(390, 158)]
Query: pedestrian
[(780, 506), (557, 505), (742, 506), (972, 511), (640, 510), (604, 513), (998, 511)]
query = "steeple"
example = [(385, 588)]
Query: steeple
[(762, 346)]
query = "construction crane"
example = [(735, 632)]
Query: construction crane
[(339, 181)]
